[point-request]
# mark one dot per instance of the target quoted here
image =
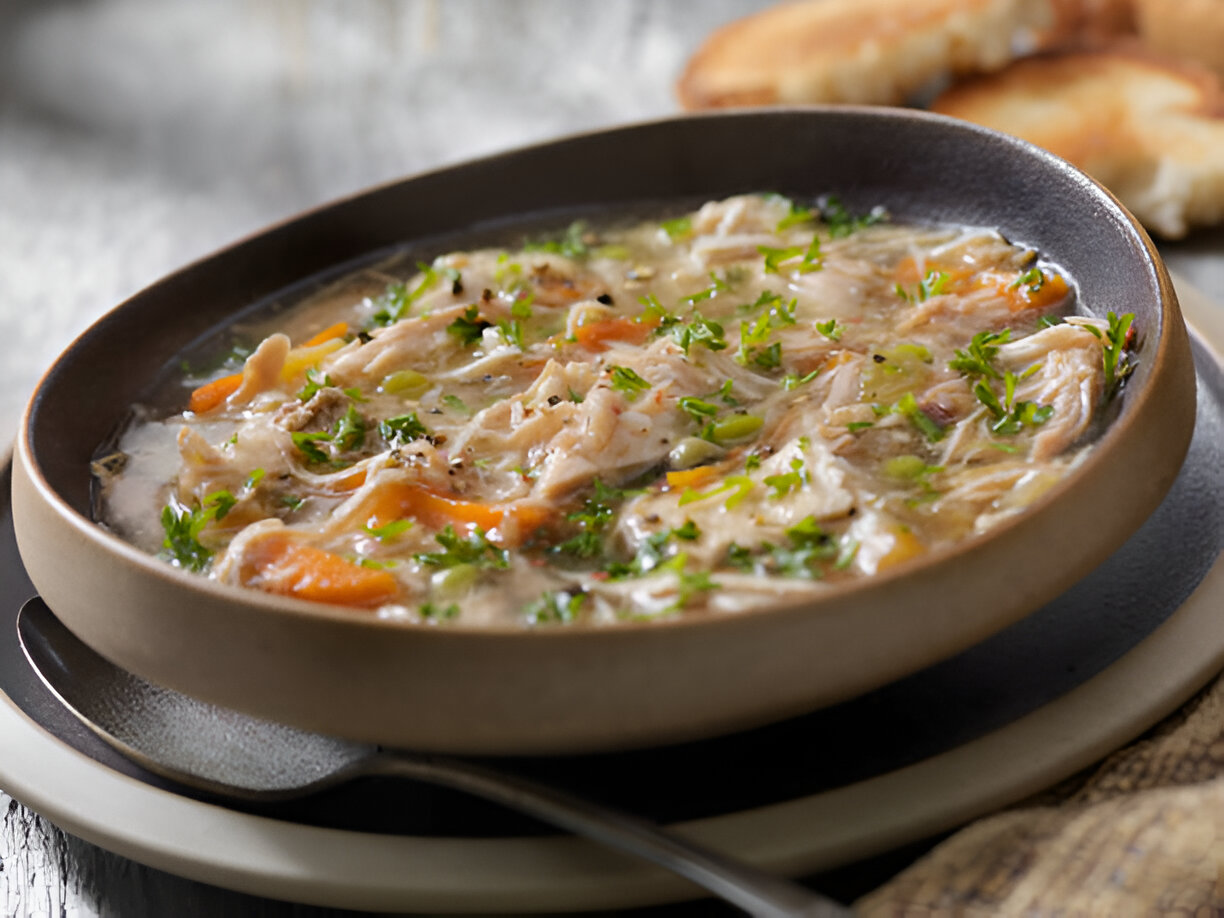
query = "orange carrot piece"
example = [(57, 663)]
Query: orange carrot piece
[(595, 335), (210, 395), (286, 567), (339, 330), (905, 546), (349, 482), (690, 478), (1052, 291), (506, 524)]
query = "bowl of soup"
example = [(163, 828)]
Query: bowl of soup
[(631, 437)]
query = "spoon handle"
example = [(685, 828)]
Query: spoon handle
[(755, 891)]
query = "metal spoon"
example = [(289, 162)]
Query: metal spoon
[(233, 755)]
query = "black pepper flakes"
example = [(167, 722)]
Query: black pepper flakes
[(878, 358), (554, 401), (605, 298)]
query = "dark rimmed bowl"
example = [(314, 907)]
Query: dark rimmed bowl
[(588, 688)]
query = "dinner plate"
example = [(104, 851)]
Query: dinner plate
[(1012, 715)]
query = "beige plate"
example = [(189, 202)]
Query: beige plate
[(583, 688)]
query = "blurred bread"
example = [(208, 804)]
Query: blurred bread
[(861, 51), (1092, 21), (1191, 30), (1149, 130)]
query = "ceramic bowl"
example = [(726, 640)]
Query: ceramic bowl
[(587, 688)]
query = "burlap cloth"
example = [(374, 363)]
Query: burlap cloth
[(1142, 834)]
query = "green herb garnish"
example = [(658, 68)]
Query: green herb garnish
[(469, 327), (390, 530), (183, 526), (554, 607), (907, 405), (476, 550), (402, 430), (628, 382)]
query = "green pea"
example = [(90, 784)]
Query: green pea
[(454, 580), (405, 382), (736, 427), (694, 451)]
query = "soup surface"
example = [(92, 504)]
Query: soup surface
[(720, 411)]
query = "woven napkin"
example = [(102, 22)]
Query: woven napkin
[(1142, 834)]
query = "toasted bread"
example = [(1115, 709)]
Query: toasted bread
[(864, 51), (1186, 29), (1092, 21), (1148, 129)]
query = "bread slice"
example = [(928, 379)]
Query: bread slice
[(1148, 129), (1190, 30), (862, 51), (1093, 21)]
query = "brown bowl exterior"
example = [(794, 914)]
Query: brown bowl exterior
[(585, 688)]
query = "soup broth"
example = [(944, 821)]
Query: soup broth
[(696, 416)]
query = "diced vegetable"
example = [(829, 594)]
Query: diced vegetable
[(283, 565)]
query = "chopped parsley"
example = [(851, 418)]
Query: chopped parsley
[(469, 327), (698, 330), (397, 300), (786, 482), (511, 332), (978, 359), (390, 530), (183, 526), (402, 430), (831, 329), (593, 519), (809, 551), (435, 612), (841, 222), (476, 550), (574, 243), (554, 607), (934, 284), (1010, 416), (678, 228), (741, 485), (1115, 340), (811, 258), (797, 215), (350, 430), (908, 406), (628, 382), (717, 285), (1034, 278), (794, 380), (456, 404), (348, 434)]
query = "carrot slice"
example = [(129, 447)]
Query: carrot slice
[(506, 524), (691, 478), (1052, 290), (595, 335), (286, 567), (210, 395), (905, 546), (339, 330)]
